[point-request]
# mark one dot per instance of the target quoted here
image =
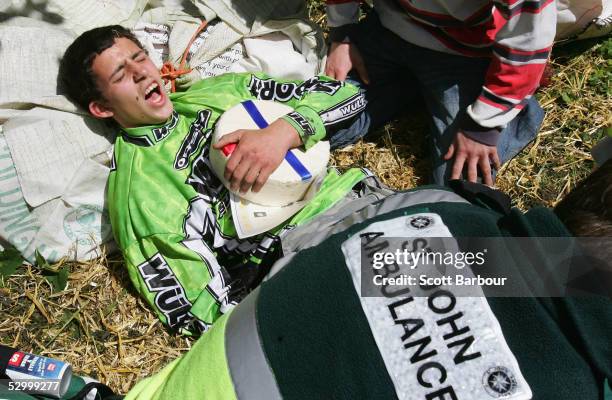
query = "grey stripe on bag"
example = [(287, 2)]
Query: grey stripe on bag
[(350, 212), (251, 374)]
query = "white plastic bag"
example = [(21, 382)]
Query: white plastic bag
[(583, 19)]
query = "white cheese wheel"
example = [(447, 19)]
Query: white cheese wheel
[(285, 185)]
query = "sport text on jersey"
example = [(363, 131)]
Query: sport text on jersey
[(269, 89)]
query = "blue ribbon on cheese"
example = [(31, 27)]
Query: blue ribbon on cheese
[(291, 158)]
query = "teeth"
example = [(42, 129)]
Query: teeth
[(151, 87)]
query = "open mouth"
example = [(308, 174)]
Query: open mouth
[(153, 93)]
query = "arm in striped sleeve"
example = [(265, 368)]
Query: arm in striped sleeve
[(520, 52)]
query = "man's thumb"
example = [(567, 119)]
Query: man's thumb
[(233, 137), (362, 72), (450, 152)]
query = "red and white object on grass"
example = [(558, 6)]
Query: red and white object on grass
[(38, 374)]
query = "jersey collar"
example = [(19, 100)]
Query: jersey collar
[(151, 134)]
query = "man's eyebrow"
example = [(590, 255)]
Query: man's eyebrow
[(119, 68), (122, 65), (137, 54)]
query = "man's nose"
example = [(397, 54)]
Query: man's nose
[(139, 72)]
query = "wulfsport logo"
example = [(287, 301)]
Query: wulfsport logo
[(343, 111), (193, 139), (170, 297), (302, 122), (499, 382)]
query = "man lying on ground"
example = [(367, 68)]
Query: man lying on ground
[(309, 333), (185, 260)]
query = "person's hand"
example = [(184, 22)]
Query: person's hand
[(257, 154), (342, 58), (476, 155)]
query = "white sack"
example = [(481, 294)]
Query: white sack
[(48, 146), (582, 19)]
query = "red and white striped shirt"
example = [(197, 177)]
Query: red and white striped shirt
[(516, 34)]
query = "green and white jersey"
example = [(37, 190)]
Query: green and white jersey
[(171, 216)]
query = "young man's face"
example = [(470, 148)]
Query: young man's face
[(131, 86)]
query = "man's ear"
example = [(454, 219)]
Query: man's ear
[(99, 110)]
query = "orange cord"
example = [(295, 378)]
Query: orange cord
[(169, 73)]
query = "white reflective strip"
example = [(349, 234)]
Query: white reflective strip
[(471, 364), (348, 213), (252, 376)]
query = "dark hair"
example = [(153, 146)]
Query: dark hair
[(75, 74), (587, 210)]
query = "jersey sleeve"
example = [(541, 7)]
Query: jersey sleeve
[(180, 279), (321, 105), (521, 47)]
